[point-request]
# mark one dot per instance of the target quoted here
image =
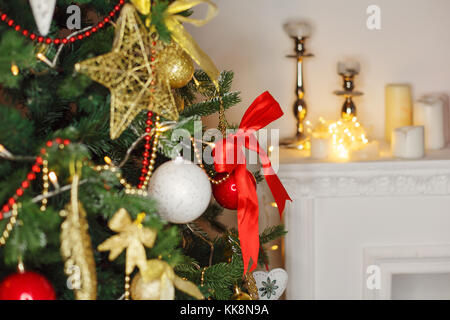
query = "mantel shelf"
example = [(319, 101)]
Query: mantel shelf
[(290, 159), (385, 176)]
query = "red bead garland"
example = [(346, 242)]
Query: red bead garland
[(36, 168), (147, 147), (33, 37)]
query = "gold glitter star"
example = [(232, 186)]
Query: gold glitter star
[(129, 72)]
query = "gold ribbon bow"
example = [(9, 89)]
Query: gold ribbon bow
[(143, 6), (132, 237), (160, 270), (174, 22)]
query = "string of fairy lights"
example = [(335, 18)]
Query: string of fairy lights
[(344, 135)]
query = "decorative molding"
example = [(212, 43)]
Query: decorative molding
[(371, 180)]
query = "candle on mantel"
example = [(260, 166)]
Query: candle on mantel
[(320, 146), (408, 142), (429, 112), (398, 108)]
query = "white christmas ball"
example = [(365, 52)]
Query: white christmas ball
[(181, 189)]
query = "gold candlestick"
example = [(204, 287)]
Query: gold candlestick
[(348, 70), (299, 32)]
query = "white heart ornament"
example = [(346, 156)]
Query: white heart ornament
[(43, 14), (271, 285)]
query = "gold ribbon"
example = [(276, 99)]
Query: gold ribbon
[(174, 22), (143, 6), (131, 236), (161, 270)]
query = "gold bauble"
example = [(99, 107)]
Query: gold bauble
[(141, 290), (239, 295), (175, 65)]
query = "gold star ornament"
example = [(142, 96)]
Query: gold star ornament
[(129, 72), (132, 236)]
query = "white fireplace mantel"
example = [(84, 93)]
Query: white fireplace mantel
[(341, 211)]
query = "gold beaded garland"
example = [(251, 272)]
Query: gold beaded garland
[(45, 185), (10, 225), (127, 287), (199, 159), (151, 166), (129, 189)]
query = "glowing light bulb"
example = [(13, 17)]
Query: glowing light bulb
[(53, 179), (15, 69)]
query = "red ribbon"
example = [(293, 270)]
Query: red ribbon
[(229, 157)]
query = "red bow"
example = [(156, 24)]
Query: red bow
[(229, 156)]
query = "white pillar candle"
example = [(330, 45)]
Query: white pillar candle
[(429, 112), (398, 108), (408, 142), (320, 148)]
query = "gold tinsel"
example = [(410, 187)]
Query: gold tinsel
[(76, 248), (250, 284), (129, 72)]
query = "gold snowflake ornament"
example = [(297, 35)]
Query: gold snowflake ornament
[(129, 72)]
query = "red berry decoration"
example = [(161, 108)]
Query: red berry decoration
[(226, 193), (26, 286)]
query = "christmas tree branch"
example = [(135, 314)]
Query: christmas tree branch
[(209, 242), (49, 195)]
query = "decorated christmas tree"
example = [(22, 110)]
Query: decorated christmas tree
[(104, 186)]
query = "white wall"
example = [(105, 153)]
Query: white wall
[(412, 46)]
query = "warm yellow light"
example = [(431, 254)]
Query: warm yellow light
[(107, 160), (41, 56), (274, 247), (15, 69), (346, 136), (271, 148), (52, 176), (164, 128), (274, 204), (2, 148)]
